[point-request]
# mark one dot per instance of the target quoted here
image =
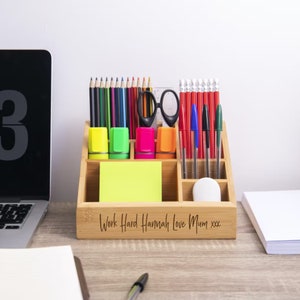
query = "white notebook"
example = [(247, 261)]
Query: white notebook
[(275, 216), (39, 273)]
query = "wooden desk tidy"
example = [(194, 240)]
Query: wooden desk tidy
[(176, 217)]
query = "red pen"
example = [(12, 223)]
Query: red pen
[(182, 128), (200, 108), (212, 114), (195, 87), (188, 111), (216, 92), (205, 101), (206, 129), (205, 92)]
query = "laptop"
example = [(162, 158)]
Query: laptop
[(25, 143)]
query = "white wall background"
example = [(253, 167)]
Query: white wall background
[(252, 46)]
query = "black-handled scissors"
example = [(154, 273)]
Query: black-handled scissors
[(147, 121)]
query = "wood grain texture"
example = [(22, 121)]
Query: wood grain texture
[(178, 269)]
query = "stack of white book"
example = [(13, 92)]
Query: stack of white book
[(275, 216)]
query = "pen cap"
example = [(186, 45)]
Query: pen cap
[(218, 123), (166, 143), (98, 143), (194, 123), (119, 143), (145, 142), (205, 124)]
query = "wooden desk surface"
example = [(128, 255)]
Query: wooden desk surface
[(178, 269)]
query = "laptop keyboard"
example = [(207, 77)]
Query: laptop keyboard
[(13, 215)]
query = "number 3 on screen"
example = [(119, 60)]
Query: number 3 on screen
[(13, 121)]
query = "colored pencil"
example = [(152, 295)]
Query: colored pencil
[(107, 105), (122, 104), (112, 103), (129, 107), (102, 104), (117, 103), (135, 117), (97, 103), (92, 103)]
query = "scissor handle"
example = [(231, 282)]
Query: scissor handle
[(146, 121), (170, 119)]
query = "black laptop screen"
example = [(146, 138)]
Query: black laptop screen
[(25, 123)]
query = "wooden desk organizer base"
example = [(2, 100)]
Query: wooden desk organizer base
[(176, 217)]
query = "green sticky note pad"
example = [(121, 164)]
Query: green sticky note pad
[(130, 181)]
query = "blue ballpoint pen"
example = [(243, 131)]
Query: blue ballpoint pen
[(205, 128), (194, 128)]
